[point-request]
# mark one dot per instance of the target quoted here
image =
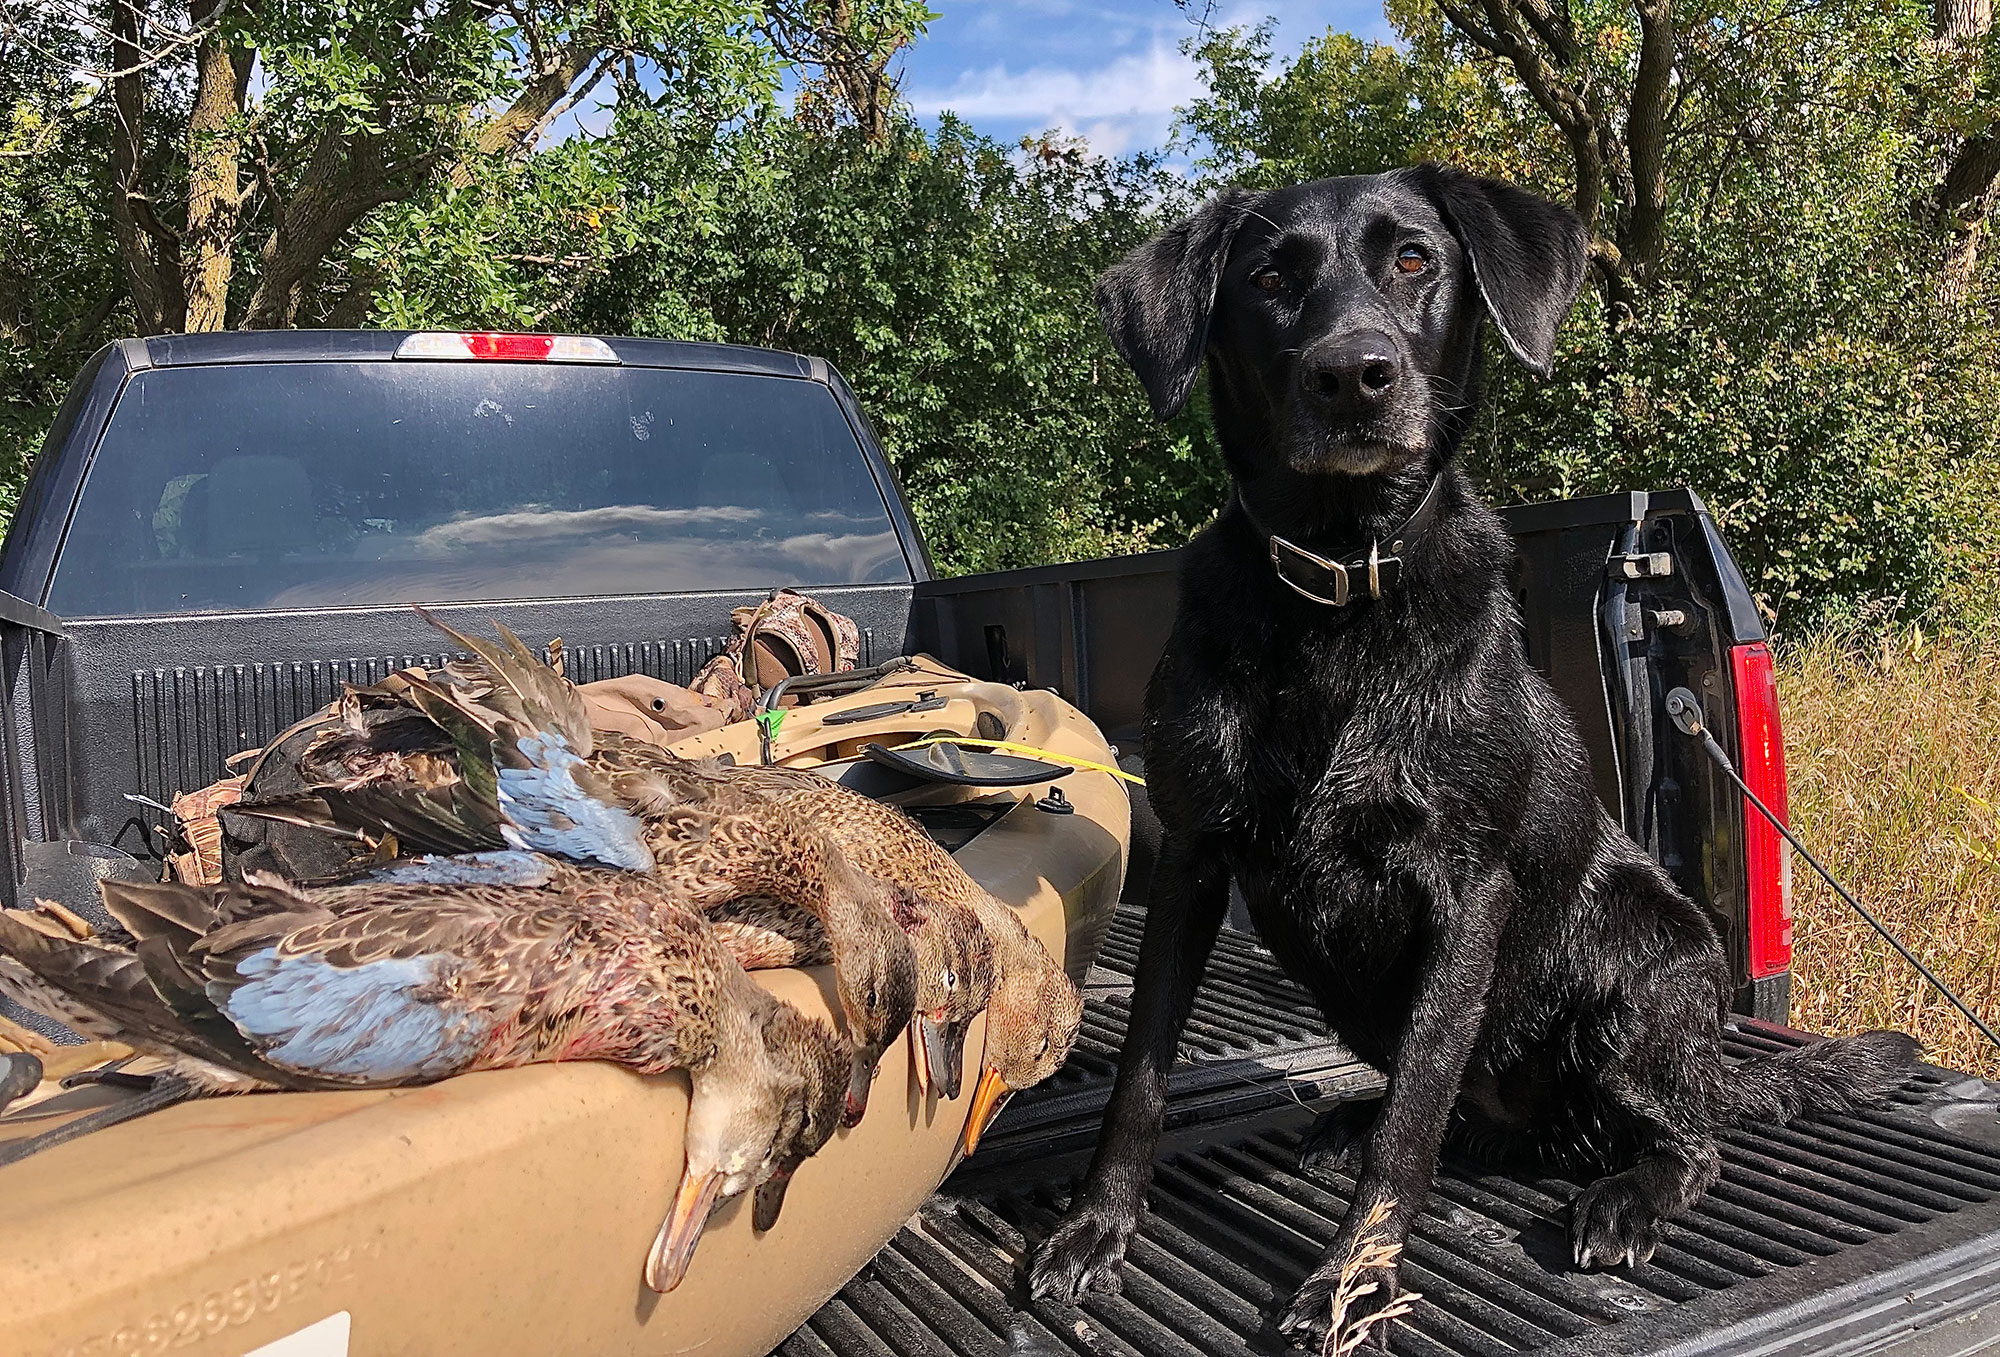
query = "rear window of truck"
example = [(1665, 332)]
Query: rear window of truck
[(299, 485)]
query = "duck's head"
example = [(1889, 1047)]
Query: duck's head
[(955, 974), (754, 1105), (875, 972), (1031, 1023), (823, 1062)]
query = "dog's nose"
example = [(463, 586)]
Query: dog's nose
[(1352, 374)]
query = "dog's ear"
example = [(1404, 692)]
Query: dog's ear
[(1527, 256), (1156, 300)]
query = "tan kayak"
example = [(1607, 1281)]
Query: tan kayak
[(510, 1211)]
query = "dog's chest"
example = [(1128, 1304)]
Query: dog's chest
[(1290, 747)]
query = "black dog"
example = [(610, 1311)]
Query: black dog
[(1345, 723)]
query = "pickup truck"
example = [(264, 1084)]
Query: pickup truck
[(208, 547)]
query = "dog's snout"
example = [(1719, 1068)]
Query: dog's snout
[(1352, 374)]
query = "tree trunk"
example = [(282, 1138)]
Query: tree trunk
[(1957, 24), (1646, 139), (1966, 174), (852, 54), (522, 120), (148, 254), (214, 151), (343, 182), (347, 178)]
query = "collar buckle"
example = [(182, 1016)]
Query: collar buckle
[(1337, 572), (1334, 583)]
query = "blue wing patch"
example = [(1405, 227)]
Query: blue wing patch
[(503, 867), (549, 812), (364, 1022)]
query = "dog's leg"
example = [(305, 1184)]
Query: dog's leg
[(1652, 1057), (1337, 1134), (1622, 1219), (1667, 1114), (1400, 1157), (1184, 912)]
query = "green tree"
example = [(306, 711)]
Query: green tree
[(246, 140)]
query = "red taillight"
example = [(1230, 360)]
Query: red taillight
[(522, 348), (1761, 761), (506, 348)]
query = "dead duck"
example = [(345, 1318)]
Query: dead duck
[(1034, 1012), (760, 932), (500, 752), (422, 981), (954, 956)]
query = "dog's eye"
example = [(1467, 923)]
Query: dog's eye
[(1270, 280), (1412, 259)]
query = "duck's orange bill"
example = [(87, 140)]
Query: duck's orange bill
[(920, 1059), (673, 1246), (986, 1100)]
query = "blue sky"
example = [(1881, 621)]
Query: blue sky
[(1110, 72)]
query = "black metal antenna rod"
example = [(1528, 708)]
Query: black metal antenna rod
[(1685, 709)]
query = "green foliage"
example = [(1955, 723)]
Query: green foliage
[(55, 248)]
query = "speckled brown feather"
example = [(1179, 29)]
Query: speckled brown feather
[(1034, 1011), (558, 976), (801, 1044), (934, 903), (765, 934)]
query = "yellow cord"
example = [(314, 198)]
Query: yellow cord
[(1012, 748)]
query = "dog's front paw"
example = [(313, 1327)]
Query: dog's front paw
[(1336, 1134), (1085, 1252), (1342, 1307), (1614, 1221)]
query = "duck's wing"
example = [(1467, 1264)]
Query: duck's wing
[(880, 839), (444, 819), (655, 781), (513, 681), (406, 991), (764, 933), (553, 802), (380, 736), (170, 922), (522, 753), (523, 789), (117, 988), (505, 867)]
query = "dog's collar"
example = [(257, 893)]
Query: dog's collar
[(1338, 581)]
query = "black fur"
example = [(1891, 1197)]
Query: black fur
[(1405, 805)]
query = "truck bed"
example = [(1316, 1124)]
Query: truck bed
[(1841, 1235)]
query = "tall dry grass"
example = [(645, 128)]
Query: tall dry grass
[(1894, 757)]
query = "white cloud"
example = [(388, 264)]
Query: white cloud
[(1129, 100)]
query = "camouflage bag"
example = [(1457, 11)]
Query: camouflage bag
[(785, 636)]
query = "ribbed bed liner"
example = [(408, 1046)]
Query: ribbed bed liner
[(1839, 1208)]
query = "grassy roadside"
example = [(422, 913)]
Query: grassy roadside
[(1894, 757)]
